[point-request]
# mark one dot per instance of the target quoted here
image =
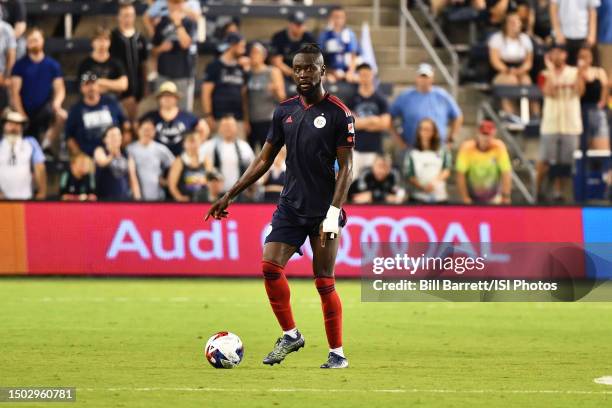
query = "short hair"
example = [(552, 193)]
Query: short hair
[(363, 65), (146, 119), (33, 30), (384, 157), (310, 48), (125, 4), (101, 31)]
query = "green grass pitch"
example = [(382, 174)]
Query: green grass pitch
[(138, 343)]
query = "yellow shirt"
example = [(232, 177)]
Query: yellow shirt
[(483, 169)]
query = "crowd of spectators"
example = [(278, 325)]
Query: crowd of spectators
[(562, 46), (404, 147)]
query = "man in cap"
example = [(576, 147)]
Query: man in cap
[(484, 172), (224, 88), (22, 162), (175, 47), (90, 117), (423, 101), (287, 42), (561, 125), (171, 122)]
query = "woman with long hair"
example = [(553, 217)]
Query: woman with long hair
[(511, 56), (593, 101), (428, 165)]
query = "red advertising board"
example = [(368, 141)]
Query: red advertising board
[(173, 239)]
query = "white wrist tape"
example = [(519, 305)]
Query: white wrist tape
[(333, 213)]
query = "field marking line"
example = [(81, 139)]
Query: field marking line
[(348, 390), (606, 380)]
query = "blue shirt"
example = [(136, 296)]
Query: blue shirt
[(86, 124), (112, 181), (36, 81), (337, 46), (604, 25), (312, 134), (413, 106), (171, 133)]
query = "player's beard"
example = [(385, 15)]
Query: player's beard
[(311, 91)]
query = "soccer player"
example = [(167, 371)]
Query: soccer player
[(317, 130)]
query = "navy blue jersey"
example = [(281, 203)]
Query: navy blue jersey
[(312, 133)]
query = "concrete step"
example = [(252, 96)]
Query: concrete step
[(414, 55), (389, 16), (403, 75), (350, 4)]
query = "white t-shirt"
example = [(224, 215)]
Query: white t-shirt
[(561, 112), (227, 154), (574, 17), (426, 166), (512, 50), (16, 161)]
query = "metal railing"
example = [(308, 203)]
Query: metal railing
[(515, 151), (451, 76)]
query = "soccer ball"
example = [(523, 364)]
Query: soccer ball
[(224, 350)]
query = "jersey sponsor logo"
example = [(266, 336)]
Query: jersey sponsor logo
[(289, 120), (320, 122), (351, 128)]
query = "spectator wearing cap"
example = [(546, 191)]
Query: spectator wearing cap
[(574, 23), (110, 72), (561, 125), (425, 100), (175, 47), (129, 47), (227, 152), (372, 118), (378, 184), (116, 178), (484, 173), (265, 89), (22, 162), (511, 56), (287, 42), (8, 46), (428, 165), (78, 182), (38, 90), (604, 36), (224, 89), (152, 160), (89, 118), (340, 47), (171, 122)]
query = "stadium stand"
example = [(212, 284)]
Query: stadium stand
[(452, 38)]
